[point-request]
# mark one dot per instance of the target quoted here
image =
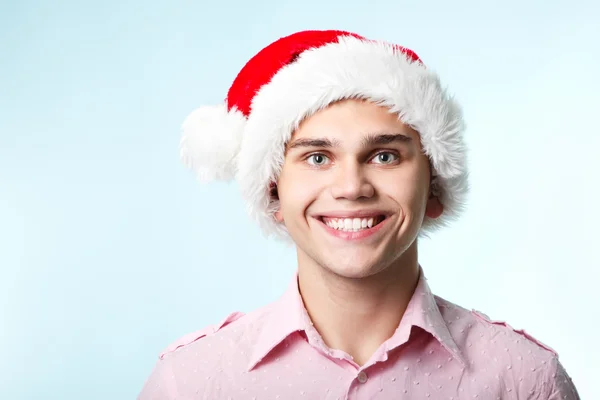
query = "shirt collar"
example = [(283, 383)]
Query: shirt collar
[(288, 316), (423, 311)]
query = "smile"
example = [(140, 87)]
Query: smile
[(353, 227), (352, 224)]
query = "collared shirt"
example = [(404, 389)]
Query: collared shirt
[(438, 351)]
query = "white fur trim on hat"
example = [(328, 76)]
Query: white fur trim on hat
[(210, 142), (351, 68)]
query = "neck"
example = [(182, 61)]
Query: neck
[(358, 315)]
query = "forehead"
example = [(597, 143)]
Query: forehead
[(352, 120)]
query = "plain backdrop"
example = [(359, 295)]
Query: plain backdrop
[(110, 249)]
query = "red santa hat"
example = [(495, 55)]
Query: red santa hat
[(294, 77)]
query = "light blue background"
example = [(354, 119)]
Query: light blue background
[(109, 249)]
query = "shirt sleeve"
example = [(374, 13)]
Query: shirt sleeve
[(161, 384), (560, 384)]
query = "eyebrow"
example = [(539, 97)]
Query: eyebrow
[(325, 143), (379, 139), (372, 139)]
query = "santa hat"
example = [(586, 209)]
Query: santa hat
[(244, 138)]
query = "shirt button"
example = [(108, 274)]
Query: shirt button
[(362, 377)]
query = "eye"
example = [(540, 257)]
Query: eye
[(385, 157), (317, 159)]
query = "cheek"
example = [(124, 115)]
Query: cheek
[(297, 190), (409, 190)]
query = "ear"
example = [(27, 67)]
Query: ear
[(275, 196), (434, 207), (278, 216)]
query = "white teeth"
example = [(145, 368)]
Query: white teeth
[(350, 224)]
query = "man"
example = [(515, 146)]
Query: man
[(351, 149)]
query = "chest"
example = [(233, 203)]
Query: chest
[(302, 373)]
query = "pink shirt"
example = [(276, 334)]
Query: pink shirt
[(439, 351)]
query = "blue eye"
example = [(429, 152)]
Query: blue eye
[(385, 157), (317, 159)]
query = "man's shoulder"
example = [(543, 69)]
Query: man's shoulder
[(495, 350), (505, 337), (481, 331), (226, 335), (207, 331)]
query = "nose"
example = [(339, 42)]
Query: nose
[(351, 183)]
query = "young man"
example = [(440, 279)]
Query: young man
[(352, 149)]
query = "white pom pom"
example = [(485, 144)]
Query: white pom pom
[(210, 142)]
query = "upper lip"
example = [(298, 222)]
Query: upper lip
[(353, 214)]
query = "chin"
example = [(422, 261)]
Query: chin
[(354, 267)]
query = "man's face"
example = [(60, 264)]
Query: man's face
[(354, 188)]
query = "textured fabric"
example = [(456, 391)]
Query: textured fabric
[(439, 351)]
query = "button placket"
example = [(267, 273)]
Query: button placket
[(362, 377)]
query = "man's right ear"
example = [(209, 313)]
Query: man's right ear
[(278, 216), (275, 196)]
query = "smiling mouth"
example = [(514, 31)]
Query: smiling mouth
[(352, 224)]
